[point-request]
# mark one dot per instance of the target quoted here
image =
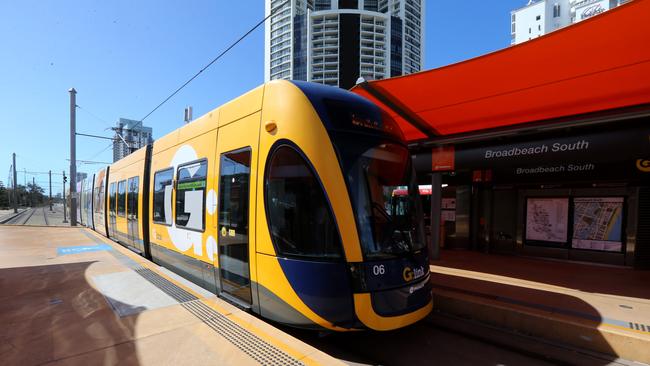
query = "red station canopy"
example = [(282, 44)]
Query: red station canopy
[(601, 63)]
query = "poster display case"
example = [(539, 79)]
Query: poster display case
[(598, 223), (547, 221)]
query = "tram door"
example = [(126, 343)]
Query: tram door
[(132, 213), (236, 149), (112, 202)]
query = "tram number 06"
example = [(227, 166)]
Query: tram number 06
[(378, 270)]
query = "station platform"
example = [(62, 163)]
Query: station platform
[(69, 296), (597, 308)]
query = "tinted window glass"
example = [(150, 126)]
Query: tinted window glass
[(298, 213), (190, 195), (121, 198), (233, 195), (384, 195), (162, 196), (132, 205), (98, 200), (111, 197)]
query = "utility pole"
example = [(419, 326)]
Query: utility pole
[(65, 218), (51, 191), (73, 157), (33, 192), (10, 194), (15, 191)]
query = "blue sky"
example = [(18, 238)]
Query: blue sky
[(125, 57)]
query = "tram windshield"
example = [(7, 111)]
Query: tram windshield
[(374, 170)]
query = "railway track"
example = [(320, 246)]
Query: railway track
[(21, 218)]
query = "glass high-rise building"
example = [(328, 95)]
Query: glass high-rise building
[(129, 136), (335, 42)]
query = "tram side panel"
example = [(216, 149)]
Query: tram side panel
[(126, 186), (88, 202), (79, 197), (99, 202), (80, 193), (181, 196)]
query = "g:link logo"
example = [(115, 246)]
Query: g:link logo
[(411, 274), (643, 165), (407, 273)]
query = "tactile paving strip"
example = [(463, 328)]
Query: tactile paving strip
[(639, 326), (258, 349)]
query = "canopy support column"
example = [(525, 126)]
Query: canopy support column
[(436, 197)]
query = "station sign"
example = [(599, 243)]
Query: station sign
[(617, 154), (606, 154)]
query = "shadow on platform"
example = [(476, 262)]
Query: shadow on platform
[(51, 313), (593, 278), (604, 309)]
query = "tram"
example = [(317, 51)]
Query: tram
[(279, 202)]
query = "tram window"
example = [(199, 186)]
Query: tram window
[(162, 196), (190, 195), (234, 174), (99, 199), (132, 204), (121, 198), (96, 199), (111, 199), (299, 216)]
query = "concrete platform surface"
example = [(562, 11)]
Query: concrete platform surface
[(599, 308), (70, 297)]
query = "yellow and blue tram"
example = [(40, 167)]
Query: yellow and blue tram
[(278, 201)]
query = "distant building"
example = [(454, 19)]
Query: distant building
[(335, 42), (540, 17), (134, 133)]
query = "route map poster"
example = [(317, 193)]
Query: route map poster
[(598, 223), (547, 220)]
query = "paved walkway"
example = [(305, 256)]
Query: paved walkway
[(69, 296), (601, 308)]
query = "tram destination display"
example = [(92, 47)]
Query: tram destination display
[(598, 223), (547, 221)]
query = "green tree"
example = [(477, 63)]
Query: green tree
[(4, 196), (22, 195), (36, 195)]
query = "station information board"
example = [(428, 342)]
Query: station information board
[(598, 223), (547, 220)]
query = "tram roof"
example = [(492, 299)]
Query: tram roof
[(599, 64)]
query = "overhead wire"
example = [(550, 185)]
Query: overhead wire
[(210, 64), (100, 152), (107, 124), (88, 162)]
